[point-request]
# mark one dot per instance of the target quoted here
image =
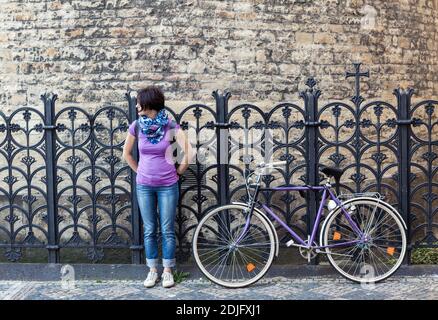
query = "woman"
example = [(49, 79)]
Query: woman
[(157, 178)]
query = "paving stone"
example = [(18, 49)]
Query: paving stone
[(278, 288)]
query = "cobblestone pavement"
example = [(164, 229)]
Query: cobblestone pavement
[(406, 287)]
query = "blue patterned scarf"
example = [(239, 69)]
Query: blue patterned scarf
[(153, 128)]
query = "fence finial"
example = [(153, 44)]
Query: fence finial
[(48, 95)]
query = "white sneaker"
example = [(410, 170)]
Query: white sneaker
[(167, 280), (151, 279)]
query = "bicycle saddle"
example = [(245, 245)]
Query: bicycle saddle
[(333, 172)]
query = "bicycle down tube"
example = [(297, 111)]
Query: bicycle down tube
[(326, 193)]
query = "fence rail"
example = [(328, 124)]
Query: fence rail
[(63, 184)]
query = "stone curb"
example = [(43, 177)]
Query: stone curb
[(52, 272)]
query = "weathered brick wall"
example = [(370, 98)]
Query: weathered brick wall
[(89, 52)]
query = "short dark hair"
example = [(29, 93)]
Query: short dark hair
[(150, 97)]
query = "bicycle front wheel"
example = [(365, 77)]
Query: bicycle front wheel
[(375, 255), (225, 254)]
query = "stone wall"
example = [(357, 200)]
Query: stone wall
[(89, 52)]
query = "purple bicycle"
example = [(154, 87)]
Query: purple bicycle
[(363, 237)]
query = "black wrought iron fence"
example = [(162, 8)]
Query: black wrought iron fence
[(64, 185)]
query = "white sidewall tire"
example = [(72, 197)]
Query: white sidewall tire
[(238, 284), (400, 224)]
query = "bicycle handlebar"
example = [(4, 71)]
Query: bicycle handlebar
[(272, 164)]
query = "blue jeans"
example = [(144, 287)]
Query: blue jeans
[(167, 199)]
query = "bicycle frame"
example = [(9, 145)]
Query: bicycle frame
[(327, 192)]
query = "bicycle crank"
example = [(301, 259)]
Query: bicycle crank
[(308, 253)]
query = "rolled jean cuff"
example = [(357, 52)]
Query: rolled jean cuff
[(169, 263), (152, 263)]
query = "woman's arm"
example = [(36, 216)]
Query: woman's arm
[(127, 149), (186, 147)]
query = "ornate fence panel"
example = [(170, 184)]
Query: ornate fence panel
[(23, 196), (361, 137), (66, 192), (92, 190), (262, 136), (423, 184)]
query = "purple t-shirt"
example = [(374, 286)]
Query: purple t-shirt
[(156, 166)]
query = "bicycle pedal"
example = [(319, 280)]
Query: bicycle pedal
[(289, 243)]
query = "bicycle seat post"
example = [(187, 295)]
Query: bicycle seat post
[(328, 181)]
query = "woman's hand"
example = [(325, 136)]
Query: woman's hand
[(179, 171)]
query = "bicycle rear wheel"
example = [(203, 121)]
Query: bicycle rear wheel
[(376, 255), (225, 260)]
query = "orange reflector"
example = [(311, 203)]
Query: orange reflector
[(390, 251), (250, 267), (336, 236)]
